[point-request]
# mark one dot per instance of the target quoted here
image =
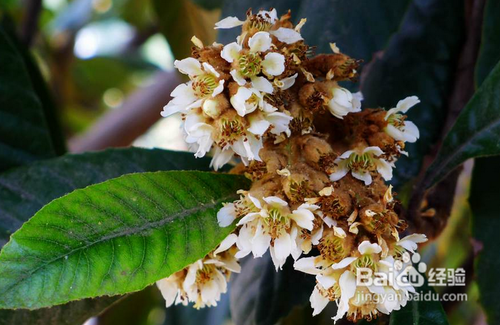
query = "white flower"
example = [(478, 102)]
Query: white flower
[(287, 35), (273, 227), (228, 22), (343, 102), (249, 63), (267, 17), (361, 163), (205, 83), (198, 134), (204, 281), (397, 127), (410, 242)]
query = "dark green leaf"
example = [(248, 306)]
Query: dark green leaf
[(484, 195), (40, 87), (262, 296), (475, 133), (418, 312), (40, 186), (179, 21), (25, 190), (74, 313), (24, 135), (489, 53), (419, 60), (114, 237)]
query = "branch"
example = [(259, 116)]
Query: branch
[(119, 128), (30, 21)]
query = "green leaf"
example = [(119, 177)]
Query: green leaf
[(489, 53), (484, 194), (114, 237), (419, 60), (24, 135), (262, 296), (41, 88), (25, 190), (418, 312), (180, 20), (474, 134)]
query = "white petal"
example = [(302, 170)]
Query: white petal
[(220, 158), (306, 265), (342, 264), (326, 281), (226, 215), (247, 218), (274, 64), (239, 101), (280, 122), (410, 242), (282, 249), (340, 172), (376, 151), (260, 42), (405, 104), (287, 35), (262, 84), (168, 289), (218, 89), (260, 244), (394, 132), (189, 66), (231, 52), (384, 168), (258, 126), (226, 243), (228, 22), (274, 200), (368, 248), (269, 16), (318, 301), (411, 132), (304, 218), (347, 283), (170, 109), (288, 82), (238, 77), (363, 176), (210, 69)]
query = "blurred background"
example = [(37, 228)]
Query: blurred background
[(109, 66)]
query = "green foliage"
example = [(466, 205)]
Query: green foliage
[(179, 21), (419, 60), (25, 190), (24, 135), (485, 192), (70, 314), (114, 237), (489, 53), (260, 295), (475, 132), (420, 312)]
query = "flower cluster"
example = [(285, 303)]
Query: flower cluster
[(318, 163)]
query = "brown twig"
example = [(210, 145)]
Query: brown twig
[(119, 128), (30, 21)]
